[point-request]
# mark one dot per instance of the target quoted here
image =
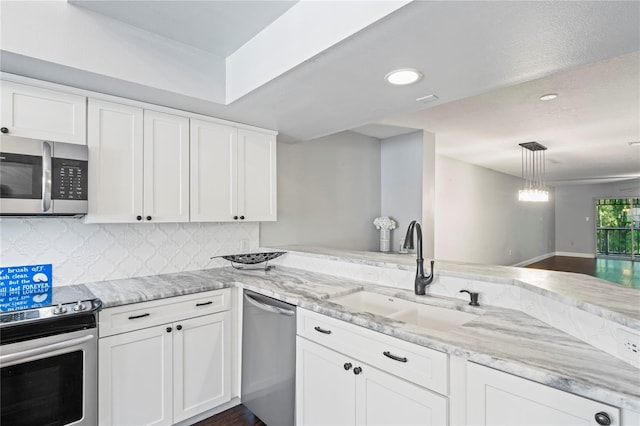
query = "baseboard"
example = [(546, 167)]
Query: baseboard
[(569, 254), (534, 259)]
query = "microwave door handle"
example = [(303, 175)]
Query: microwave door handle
[(46, 176)]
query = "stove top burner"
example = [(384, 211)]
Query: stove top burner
[(47, 312), (48, 321)]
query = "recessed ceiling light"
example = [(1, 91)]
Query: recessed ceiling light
[(548, 97), (403, 76)]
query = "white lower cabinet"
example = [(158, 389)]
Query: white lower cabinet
[(325, 389), (334, 387), (377, 391), (497, 398), (163, 374), (201, 368), (135, 378)]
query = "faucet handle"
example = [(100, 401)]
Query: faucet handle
[(473, 296)]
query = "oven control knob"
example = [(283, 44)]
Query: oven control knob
[(59, 310), (78, 307)]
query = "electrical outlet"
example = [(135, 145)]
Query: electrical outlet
[(628, 346), (244, 245)]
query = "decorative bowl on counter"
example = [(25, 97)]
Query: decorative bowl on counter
[(252, 258)]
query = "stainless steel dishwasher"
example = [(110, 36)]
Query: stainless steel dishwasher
[(269, 358)]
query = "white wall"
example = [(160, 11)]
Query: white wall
[(61, 33), (401, 186), (574, 204), (328, 193), (479, 218), (82, 253)]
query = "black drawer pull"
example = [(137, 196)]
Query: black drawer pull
[(322, 330), (204, 303), (139, 316), (394, 357)]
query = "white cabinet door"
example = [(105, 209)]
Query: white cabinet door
[(325, 390), (497, 398), (384, 399), (256, 176), (202, 364), (166, 167), (32, 112), (135, 378), (115, 140), (214, 186)]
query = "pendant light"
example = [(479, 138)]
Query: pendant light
[(533, 173)]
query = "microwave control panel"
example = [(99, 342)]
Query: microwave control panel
[(69, 179)]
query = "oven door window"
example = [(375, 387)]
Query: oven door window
[(20, 176), (47, 391)]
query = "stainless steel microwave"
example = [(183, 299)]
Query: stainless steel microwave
[(42, 178)]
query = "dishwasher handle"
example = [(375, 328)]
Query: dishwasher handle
[(268, 308)]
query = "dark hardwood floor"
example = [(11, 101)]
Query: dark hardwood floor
[(619, 271), (236, 416)]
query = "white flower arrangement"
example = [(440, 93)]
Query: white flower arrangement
[(384, 222)]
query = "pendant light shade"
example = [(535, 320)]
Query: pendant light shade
[(533, 173)]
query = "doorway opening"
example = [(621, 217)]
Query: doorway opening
[(618, 228)]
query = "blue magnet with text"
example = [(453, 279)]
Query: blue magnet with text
[(25, 287)]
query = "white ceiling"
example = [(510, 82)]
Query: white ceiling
[(218, 27), (471, 54), (587, 129)]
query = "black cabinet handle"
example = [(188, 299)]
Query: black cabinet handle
[(394, 357), (204, 303), (347, 366), (139, 217), (235, 218), (4, 130), (168, 329), (602, 418), (139, 316), (148, 217), (321, 330), (179, 327), (241, 217), (357, 370)]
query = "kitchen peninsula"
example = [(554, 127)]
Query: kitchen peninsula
[(537, 325)]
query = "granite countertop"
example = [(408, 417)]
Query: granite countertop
[(590, 294), (507, 340)]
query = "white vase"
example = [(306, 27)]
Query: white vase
[(385, 239)]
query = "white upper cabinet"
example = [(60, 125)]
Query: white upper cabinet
[(115, 140), (233, 174), (139, 165), (256, 176), (214, 151), (32, 112), (166, 167)]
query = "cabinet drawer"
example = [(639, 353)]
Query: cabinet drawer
[(417, 364), (126, 318)]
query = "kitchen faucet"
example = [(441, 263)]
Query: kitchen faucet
[(421, 281)]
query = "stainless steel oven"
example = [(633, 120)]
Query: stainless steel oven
[(42, 178), (48, 364)]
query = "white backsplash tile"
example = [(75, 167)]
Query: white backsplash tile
[(83, 253)]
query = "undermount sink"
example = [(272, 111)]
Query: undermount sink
[(427, 316)]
